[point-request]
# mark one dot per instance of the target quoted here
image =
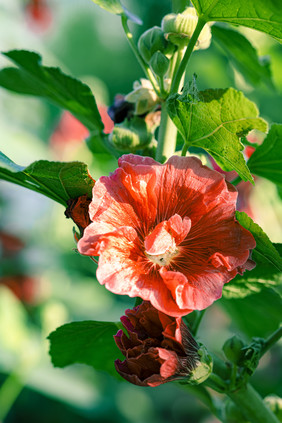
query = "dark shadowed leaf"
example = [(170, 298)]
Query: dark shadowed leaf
[(32, 78), (86, 342), (256, 315), (243, 55), (266, 161), (265, 250), (215, 120), (265, 16), (57, 180)]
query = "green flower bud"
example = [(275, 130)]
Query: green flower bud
[(178, 29), (151, 41), (233, 349), (159, 63), (131, 135), (143, 95), (203, 368)]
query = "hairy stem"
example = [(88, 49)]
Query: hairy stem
[(181, 70), (251, 404), (271, 340), (167, 136), (143, 64)]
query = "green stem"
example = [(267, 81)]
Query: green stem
[(177, 79), (167, 136), (197, 321), (9, 392), (252, 406), (271, 340), (184, 150), (142, 63)]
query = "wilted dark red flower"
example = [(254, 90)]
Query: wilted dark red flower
[(158, 348), (77, 210), (166, 233)]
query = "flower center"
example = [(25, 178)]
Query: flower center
[(163, 259), (161, 244)]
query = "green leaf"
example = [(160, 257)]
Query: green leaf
[(32, 78), (115, 7), (57, 180), (266, 161), (265, 16), (265, 250), (263, 275), (86, 342), (256, 315), (214, 120), (242, 55)]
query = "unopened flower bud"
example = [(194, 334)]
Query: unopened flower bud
[(159, 63), (151, 41), (203, 367), (233, 349), (131, 135), (143, 96), (178, 29), (77, 210)]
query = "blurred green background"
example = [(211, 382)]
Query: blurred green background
[(43, 282)]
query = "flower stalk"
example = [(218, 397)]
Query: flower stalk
[(142, 63), (252, 406)]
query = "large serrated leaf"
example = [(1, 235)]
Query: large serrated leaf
[(265, 16), (60, 181), (264, 250), (266, 161), (243, 55), (86, 342), (215, 120), (31, 78)]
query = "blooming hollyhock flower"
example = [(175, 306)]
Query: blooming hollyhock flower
[(166, 233), (158, 348)]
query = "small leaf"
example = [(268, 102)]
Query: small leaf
[(265, 250), (86, 342), (32, 78), (265, 16), (57, 180), (214, 120), (242, 55), (266, 161)]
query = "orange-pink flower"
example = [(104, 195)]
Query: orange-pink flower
[(166, 233)]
